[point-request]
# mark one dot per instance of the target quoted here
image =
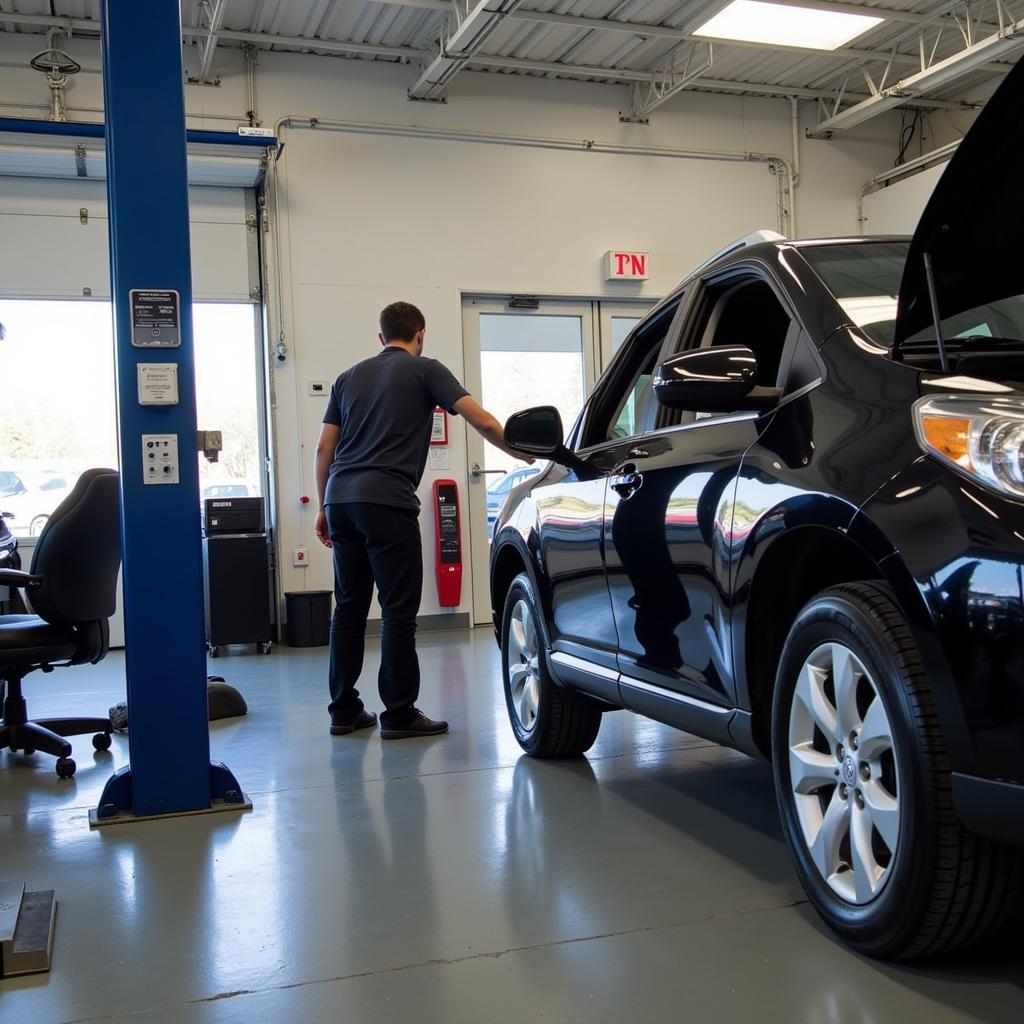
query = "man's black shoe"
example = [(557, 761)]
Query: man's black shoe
[(366, 720), (420, 725)]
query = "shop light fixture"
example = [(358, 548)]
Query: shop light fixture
[(753, 21)]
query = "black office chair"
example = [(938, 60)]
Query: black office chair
[(72, 587)]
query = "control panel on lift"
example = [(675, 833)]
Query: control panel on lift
[(448, 543)]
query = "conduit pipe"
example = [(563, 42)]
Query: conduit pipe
[(794, 108), (775, 161)]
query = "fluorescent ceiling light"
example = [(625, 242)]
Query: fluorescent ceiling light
[(770, 23)]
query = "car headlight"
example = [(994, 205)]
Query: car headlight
[(983, 438)]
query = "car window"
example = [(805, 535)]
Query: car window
[(10, 484), (53, 483), (740, 310), (624, 408), (227, 491), (750, 314)]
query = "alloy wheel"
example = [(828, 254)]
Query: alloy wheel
[(523, 666), (844, 774)]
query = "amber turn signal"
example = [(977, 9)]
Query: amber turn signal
[(949, 436)]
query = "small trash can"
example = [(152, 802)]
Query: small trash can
[(309, 618)]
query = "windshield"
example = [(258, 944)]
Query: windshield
[(865, 279)]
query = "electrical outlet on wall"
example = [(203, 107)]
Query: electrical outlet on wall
[(300, 557)]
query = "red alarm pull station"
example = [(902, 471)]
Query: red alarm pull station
[(448, 543)]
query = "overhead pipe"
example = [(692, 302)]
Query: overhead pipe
[(775, 161)]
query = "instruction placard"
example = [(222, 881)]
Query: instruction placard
[(156, 318), (158, 383)]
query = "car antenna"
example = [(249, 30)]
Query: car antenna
[(929, 273)]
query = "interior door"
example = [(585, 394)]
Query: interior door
[(516, 358)]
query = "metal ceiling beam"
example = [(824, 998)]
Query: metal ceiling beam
[(647, 97), (627, 76), (966, 61), (85, 26), (684, 34), (458, 46), (524, 14), (214, 11), (311, 43)]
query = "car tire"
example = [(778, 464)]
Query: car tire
[(862, 778), (548, 720)]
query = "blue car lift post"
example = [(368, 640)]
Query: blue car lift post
[(165, 652)]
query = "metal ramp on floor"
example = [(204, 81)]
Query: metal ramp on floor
[(26, 929)]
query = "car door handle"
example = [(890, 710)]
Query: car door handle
[(627, 482)]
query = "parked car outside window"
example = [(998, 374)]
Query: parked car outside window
[(500, 489), (29, 494)]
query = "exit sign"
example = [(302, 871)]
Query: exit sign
[(626, 266)]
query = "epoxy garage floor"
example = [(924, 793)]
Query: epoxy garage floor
[(444, 879)]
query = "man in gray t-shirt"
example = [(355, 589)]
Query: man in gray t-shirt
[(369, 460)]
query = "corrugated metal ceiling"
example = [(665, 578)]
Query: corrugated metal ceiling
[(527, 44)]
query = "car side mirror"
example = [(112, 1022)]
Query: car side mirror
[(536, 431), (721, 379)]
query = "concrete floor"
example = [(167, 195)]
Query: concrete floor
[(445, 879)]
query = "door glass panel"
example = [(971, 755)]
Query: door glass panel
[(226, 396), (529, 360), (621, 326)]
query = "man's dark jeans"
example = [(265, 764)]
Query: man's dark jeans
[(375, 544)]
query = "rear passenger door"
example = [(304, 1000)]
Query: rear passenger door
[(668, 517)]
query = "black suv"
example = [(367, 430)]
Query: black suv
[(790, 518)]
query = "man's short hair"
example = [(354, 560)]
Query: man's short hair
[(401, 321)]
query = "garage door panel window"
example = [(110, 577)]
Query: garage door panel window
[(60, 408)]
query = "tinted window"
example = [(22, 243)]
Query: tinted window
[(629, 399), (865, 278), (750, 314), (53, 483)]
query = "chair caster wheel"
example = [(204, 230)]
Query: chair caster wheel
[(214, 650), (65, 767), (28, 750), (265, 648), (101, 741)]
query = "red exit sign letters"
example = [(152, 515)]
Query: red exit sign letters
[(626, 266)]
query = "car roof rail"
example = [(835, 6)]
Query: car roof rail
[(754, 238)]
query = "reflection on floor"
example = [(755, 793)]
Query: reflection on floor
[(442, 879)]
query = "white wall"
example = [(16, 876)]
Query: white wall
[(896, 209), (366, 219)]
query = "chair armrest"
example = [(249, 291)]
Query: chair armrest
[(19, 579)]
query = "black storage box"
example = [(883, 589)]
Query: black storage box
[(233, 515), (309, 618)]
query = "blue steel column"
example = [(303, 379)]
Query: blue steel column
[(147, 189)]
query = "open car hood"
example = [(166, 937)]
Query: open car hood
[(972, 223)]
